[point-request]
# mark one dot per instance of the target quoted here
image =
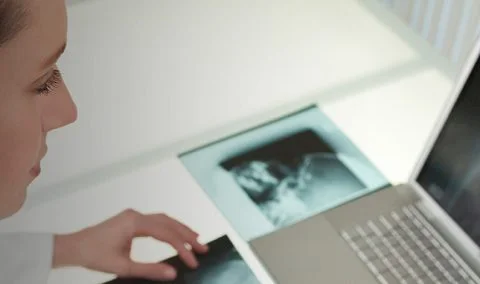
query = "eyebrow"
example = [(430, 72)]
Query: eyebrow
[(52, 59)]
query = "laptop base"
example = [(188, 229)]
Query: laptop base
[(313, 250)]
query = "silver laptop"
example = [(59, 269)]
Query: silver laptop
[(424, 231)]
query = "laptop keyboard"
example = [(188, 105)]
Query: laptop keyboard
[(403, 248)]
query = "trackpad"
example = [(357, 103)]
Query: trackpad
[(308, 252)]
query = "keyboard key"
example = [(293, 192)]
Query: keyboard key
[(426, 243), (412, 262), (423, 256), (394, 261), (409, 224), (370, 255), (430, 264), (402, 272), (428, 281), (355, 238), (445, 263), (436, 254), (456, 275), (384, 250), (390, 278), (419, 272), (368, 231), (438, 273), (393, 241), (361, 244), (441, 278), (409, 280), (379, 265), (380, 228)]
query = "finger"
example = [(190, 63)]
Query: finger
[(178, 243), (153, 271), (190, 236), (163, 233)]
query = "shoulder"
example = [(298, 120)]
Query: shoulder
[(26, 257)]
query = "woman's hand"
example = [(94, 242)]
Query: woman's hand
[(106, 247)]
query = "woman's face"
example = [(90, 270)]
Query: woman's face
[(33, 98)]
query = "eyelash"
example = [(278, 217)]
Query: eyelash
[(51, 83)]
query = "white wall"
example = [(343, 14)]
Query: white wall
[(451, 26)]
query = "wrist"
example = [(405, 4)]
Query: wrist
[(67, 251)]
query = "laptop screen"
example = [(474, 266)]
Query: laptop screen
[(451, 173)]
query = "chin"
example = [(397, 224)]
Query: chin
[(14, 205)]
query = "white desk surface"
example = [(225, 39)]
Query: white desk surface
[(215, 71)]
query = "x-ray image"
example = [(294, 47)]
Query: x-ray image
[(221, 264), (281, 173), (291, 178), (287, 195)]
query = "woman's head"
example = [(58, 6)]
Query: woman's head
[(33, 98)]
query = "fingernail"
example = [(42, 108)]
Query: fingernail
[(170, 273)]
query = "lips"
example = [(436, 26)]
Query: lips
[(35, 171)]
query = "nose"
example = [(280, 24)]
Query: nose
[(59, 109)]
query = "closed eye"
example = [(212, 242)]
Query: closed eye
[(52, 83)]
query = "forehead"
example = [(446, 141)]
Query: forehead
[(47, 16), (45, 33)]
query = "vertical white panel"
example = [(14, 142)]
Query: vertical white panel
[(445, 18), (403, 9), (427, 18), (451, 29), (451, 26), (416, 14), (435, 22), (470, 32), (461, 32), (389, 3)]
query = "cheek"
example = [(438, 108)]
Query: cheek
[(21, 140)]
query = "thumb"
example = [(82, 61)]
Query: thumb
[(152, 271)]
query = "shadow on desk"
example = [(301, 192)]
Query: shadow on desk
[(221, 264)]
